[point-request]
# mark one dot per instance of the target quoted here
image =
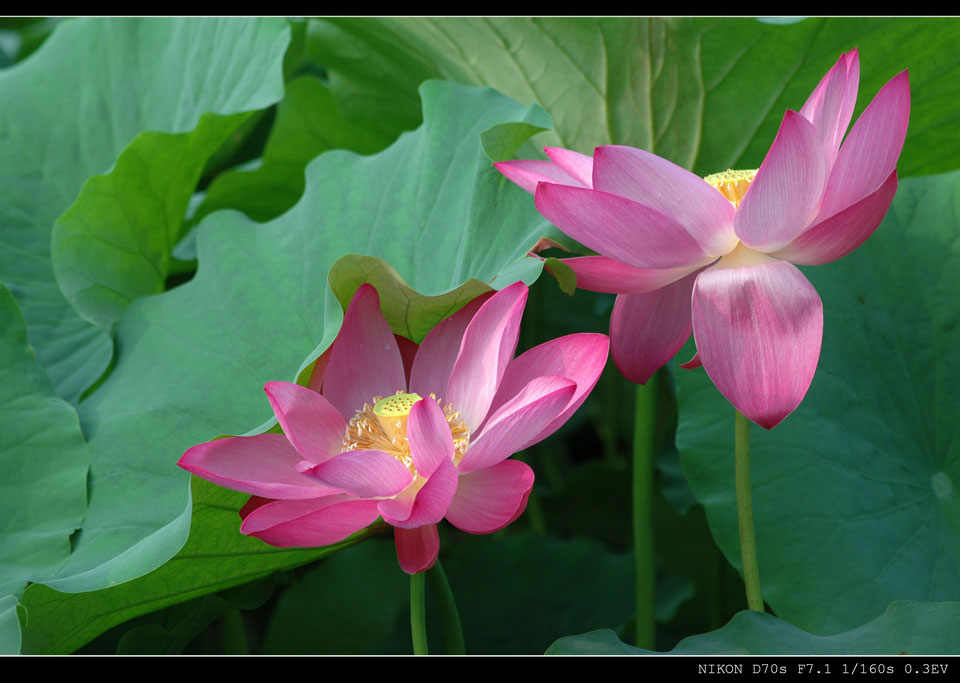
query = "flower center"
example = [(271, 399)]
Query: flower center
[(732, 184), (383, 427)]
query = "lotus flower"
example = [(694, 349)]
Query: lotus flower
[(683, 256), (412, 435)]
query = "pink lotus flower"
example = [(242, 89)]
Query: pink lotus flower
[(412, 435), (683, 256)]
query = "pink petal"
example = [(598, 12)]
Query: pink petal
[(830, 105), (603, 274), (438, 352), (693, 363), (577, 357), (253, 502), (365, 360), (673, 191), (309, 523), (314, 427), (758, 331), (871, 150), (579, 166), (620, 228), (488, 345), (490, 499), (264, 465), (647, 329), (417, 549), (319, 371), (428, 433), (408, 351), (843, 232), (784, 196), (518, 423), (528, 173), (431, 501), (365, 474)]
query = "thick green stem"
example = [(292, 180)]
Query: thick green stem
[(452, 633), (233, 637), (644, 441), (748, 541), (418, 614)]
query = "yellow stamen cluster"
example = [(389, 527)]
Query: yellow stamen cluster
[(732, 184), (383, 427)]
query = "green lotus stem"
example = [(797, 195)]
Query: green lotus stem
[(644, 440), (233, 637), (748, 541), (452, 633), (418, 614)]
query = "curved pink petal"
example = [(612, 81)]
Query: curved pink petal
[(843, 232), (620, 228), (428, 434), (830, 105), (314, 427), (438, 352), (528, 173), (784, 196), (490, 499), (578, 357), (488, 345), (518, 422), (676, 192), (758, 331), (431, 501), (871, 150), (263, 465), (579, 166), (603, 274), (365, 474), (309, 523), (417, 549), (408, 351), (365, 360), (693, 363), (319, 371), (647, 329)]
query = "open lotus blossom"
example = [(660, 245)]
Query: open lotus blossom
[(412, 435), (717, 259)]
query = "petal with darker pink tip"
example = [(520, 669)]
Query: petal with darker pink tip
[(528, 173), (431, 501), (674, 191), (309, 523), (408, 351), (603, 274), (577, 357), (365, 474), (518, 422), (488, 345), (620, 228), (263, 465), (784, 196), (438, 352), (870, 153), (319, 371), (843, 232), (490, 499), (429, 436), (830, 105), (365, 360), (579, 166), (647, 329), (313, 426), (417, 549), (693, 363), (758, 330)]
